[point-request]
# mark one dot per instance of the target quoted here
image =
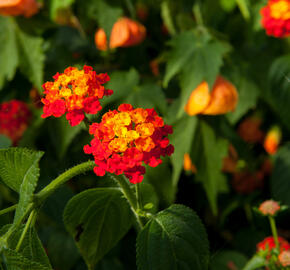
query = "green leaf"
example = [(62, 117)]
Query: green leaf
[(15, 261), (196, 58), (106, 12), (255, 263), (8, 50), (32, 57), (244, 8), (148, 96), (222, 260), (122, 82), (19, 170), (280, 179), (278, 94), (97, 219), (208, 153), (58, 5), (182, 137), (160, 178), (174, 239), (5, 142), (248, 95), (31, 250), (228, 5)]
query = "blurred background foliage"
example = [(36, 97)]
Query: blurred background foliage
[(187, 42)]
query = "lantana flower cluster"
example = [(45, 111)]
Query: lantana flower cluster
[(268, 244), (74, 92), (127, 137), (14, 119), (276, 18)]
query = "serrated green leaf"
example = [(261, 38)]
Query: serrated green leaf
[(122, 82), (97, 219), (19, 170), (15, 261), (31, 248), (224, 259), (8, 49), (32, 57), (174, 239), (248, 95), (255, 263), (196, 58), (280, 178), (209, 151), (181, 139)]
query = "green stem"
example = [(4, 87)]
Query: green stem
[(197, 14), (130, 196), (27, 225), (138, 196), (8, 209), (274, 231), (61, 179)]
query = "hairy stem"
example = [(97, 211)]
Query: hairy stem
[(130, 196), (8, 209), (41, 196), (27, 225)]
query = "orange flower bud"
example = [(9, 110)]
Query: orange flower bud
[(249, 130), (272, 140), (269, 207), (222, 99), (125, 33), (26, 8), (154, 66), (188, 165), (230, 162)]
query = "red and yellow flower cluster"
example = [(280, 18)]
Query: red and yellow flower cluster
[(268, 244), (26, 8), (276, 18), (74, 92), (127, 137), (14, 119)]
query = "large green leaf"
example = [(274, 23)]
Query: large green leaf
[(32, 57), (256, 262), (97, 219), (19, 170), (207, 153), (30, 254), (280, 179), (182, 137), (223, 260), (8, 49), (174, 239), (196, 58)]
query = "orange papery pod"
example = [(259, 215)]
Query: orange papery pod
[(272, 140)]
